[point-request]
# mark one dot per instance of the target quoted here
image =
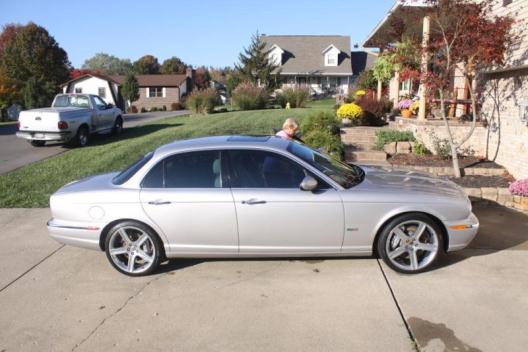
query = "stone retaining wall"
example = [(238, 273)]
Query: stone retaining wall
[(498, 195)]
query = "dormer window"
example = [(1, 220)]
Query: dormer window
[(275, 55), (331, 55)]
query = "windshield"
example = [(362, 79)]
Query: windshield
[(76, 101), (127, 173), (345, 175)]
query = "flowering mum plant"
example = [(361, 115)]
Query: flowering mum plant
[(405, 104), (519, 188), (351, 110), (415, 106), (360, 93)]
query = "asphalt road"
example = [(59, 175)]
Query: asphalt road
[(61, 298), (16, 152)]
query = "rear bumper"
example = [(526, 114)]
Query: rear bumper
[(45, 136), (464, 233), (75, 234)]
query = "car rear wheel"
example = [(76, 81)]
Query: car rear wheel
[(118, 126), (81, 139), (133, 249), (37, 143), (410, 243)]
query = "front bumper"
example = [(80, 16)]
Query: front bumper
[(45, 136), (461, 232), (75, 234)]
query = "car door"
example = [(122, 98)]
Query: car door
[(276, 217), (186, 196), (104, 116)]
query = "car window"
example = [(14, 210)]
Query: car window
[(128, 172), (101, 105), (262, 169), (65, 101), (187, 170)]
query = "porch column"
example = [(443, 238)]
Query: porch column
[(378, 93), (396, 88), (425, 62)]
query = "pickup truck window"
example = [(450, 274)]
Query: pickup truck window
[(101, 105), (66, 101)]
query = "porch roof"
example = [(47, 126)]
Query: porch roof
[(385, 31)]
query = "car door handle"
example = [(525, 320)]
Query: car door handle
[(253, 201), (159, 202)]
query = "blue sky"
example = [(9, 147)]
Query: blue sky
[(210, 33)]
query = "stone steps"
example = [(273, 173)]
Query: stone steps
[(359, 146), (364, 155)]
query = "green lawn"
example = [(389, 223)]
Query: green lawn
[(32, 185)]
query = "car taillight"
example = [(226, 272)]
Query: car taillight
[(63, 125)]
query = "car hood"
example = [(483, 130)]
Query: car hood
[(409, 182)]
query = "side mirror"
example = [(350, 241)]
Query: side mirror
[(109, 106), (308, 184)]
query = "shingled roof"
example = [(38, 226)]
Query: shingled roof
[(172, 80), (303, 54)]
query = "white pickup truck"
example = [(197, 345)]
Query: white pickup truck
[(71, 118)]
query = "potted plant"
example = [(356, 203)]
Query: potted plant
[(349, 114), (415, 106), (519, 190), (404, 106)]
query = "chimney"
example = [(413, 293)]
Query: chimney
[(189, 73)]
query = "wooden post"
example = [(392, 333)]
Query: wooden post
[(378, 93), (422, 91)]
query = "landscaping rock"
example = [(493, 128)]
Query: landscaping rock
[(489, 193), (473, 192), (403, 148), (504, 197), (390, 148)]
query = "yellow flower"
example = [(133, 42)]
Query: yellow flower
[(360, 93), (351, 110), (414, 106)]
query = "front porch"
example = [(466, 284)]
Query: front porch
[(318, 84)]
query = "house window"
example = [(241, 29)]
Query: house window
[(331, 60), (102, 92), (155, 92), (506, 2), (78, 90)]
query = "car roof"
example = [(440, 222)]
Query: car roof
[(224, 142)]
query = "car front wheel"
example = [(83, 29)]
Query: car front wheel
[(133, 249), (410, 243)]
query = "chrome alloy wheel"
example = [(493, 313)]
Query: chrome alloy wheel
[(132, 249), (412, 245)]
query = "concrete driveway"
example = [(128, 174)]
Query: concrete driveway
[(16, 152), (68, 299)]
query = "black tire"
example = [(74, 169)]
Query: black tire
[(82, 137), (36, 143), (423, 259), (134, 228), (118, 126)]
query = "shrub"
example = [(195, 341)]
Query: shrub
[(202, 101), (325, 141), (322, 121), (351, 111), (441, 146), (164, 108), (372, 105), (143, 110), (248, 96), (420, 149), (519, 188), (152, 109), (176, 106), (297, 97), (388, 136), (132, 109)]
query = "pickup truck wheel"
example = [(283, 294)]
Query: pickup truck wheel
[(37, 143), (81, 139), (118, 126)]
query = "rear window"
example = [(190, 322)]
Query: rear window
[(130, 171)]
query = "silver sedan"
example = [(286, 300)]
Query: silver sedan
[(243, 196)]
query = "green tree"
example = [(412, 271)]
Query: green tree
[(130, 88), (173, 65), (108, 64), (254, 65), (366, 80), (36, 63), (147, 65)]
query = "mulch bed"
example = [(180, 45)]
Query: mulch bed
[(472, 181), (433, 160)]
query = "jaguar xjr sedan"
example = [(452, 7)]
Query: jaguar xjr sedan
[(246, 196)]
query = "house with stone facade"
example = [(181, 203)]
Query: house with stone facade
[(155, 91), (502, 135)]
